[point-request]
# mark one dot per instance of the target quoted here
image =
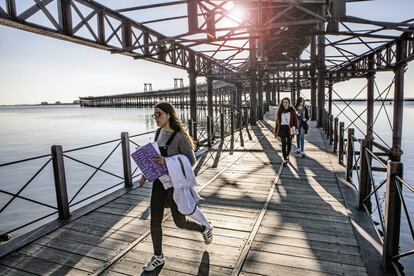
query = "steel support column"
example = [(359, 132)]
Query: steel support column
[(370, 99), (321, 76), (398, 101), (260, 95), (252, 76), (313, 79), (193, 93)]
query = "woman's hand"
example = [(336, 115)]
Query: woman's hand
[(160, 160), (142, 181)]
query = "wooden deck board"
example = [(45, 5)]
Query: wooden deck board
[(305, 229)]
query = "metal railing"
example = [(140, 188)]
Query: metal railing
[(378, 195), (64, 203)]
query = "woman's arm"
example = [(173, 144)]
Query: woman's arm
[(185, 147)]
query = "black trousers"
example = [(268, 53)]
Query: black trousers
[(158, 197), (285, 137)]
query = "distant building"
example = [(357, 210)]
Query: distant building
[(58, 102), (76, 102), (44, 103)]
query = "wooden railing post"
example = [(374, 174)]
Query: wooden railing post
[(241, 128), (126, 159), (392, 214), (190, 128), (222, 126), (364, 183), (331, 124), (341, 143), (231, 131), (349, 155), (60, 182), (209, 134), (335, 144)]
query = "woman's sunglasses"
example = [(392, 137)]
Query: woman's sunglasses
[(157, 114)]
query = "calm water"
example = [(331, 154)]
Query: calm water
[(30, 131)]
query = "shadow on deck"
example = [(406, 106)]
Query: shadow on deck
[(304, 228)]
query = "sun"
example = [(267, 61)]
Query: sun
[(235, 11)]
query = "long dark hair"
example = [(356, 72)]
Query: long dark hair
[(300, 99), (281, 108), (174, 121)]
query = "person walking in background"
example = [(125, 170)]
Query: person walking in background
[(303, 117), (286, 126), (172, 141)]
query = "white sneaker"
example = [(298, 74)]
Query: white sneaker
[(155, 262), (208, 235), (298, 151)]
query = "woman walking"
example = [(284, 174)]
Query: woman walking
[(286, 126), (172, 140), (303, 117)]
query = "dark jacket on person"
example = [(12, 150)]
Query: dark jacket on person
[(293, 122), (302, 123)]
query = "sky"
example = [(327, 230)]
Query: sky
[(35, 68)]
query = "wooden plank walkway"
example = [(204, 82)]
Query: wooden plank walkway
[(268, 219)]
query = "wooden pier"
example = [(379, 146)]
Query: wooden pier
[(269, 219)]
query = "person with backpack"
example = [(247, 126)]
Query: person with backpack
[(172, 141)]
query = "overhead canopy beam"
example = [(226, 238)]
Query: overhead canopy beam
[(169, 53), (384, 57)]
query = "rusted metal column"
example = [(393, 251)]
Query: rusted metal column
[(267, 89), (11, 8), (252, 76), (330, 90), (193, 94), (60, 182), (273, 93), (349, 155), (401, 54), (313, 79), (260, 95), (364, 183), (210, 115), (65, 16), (222, 129), (370, 98), (321, 76), (126, 158), (392, 218)]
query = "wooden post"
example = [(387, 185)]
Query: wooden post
[(364, 183), (209, 136), (232, 132), (60, 182), (190, 127), (349, 155), (392, 214), (331, 130), (241, 128), (222, 126), (335, 144), (341, 143), (126, 159)]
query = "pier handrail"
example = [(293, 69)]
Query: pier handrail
[(391, 203), (70, 203)]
